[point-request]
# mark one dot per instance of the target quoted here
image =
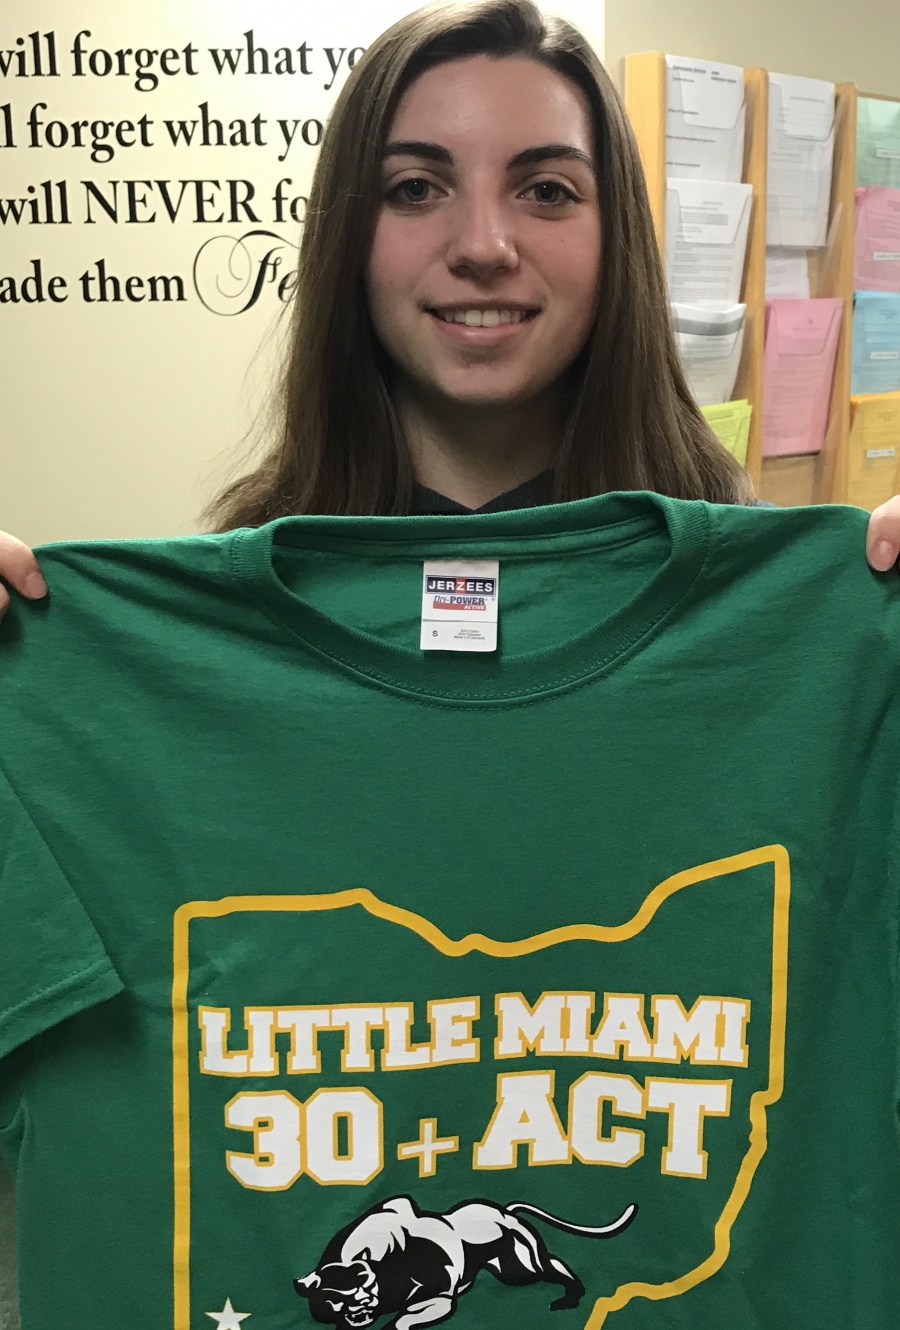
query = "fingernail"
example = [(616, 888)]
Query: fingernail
[(35, 586)]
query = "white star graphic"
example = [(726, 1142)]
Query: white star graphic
[(228, 1318)]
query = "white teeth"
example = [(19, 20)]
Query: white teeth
[(482, 318)]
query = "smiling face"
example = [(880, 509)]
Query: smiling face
[(486, 254)]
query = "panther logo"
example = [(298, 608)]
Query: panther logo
[(416, 1263)]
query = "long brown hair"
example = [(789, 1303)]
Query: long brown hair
[(632, 423)]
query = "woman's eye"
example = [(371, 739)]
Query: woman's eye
[(551, 191), (413, 190)]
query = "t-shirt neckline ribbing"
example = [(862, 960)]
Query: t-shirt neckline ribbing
[(481, 679)]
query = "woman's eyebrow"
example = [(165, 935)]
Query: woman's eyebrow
[(551, 152), (432, 152)]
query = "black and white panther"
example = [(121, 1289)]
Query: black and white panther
[(397, 1259)]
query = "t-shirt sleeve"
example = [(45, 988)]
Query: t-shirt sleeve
[(52, 960)]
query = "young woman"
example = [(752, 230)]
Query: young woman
[(481, 317), (481, 320)]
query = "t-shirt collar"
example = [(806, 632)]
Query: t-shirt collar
[(530, 494), (461, 679)]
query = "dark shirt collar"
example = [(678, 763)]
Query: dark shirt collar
[(532, 494)]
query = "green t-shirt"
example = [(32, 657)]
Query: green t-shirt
[(349, 984)]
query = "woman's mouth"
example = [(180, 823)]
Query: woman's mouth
[(481, 317), (482, 323)]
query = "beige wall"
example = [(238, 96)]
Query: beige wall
[(837, 40)]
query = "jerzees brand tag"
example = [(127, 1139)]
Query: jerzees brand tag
[(459, 605)]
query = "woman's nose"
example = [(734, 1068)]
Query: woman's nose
[(483, 241)]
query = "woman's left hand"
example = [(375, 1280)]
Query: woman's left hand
[(883, 535)]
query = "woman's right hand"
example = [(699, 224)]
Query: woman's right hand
[(20, 569)]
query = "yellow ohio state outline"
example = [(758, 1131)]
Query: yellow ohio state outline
[(776, 855)]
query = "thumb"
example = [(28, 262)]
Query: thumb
[(883, 535), (20, 568)]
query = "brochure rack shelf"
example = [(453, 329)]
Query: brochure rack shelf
[(750, 374), (874, 455), (873, 464), (820, 477), (823, 477), (645, 102)]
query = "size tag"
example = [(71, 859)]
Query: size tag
[(459, 605)]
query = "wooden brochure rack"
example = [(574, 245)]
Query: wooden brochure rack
[(873, 475), (820, 477)]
